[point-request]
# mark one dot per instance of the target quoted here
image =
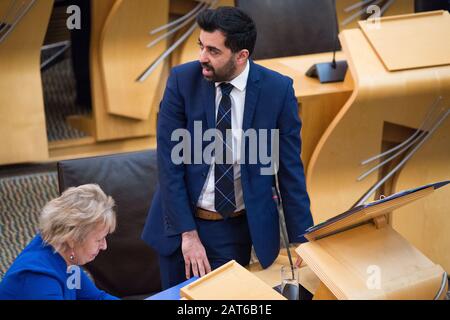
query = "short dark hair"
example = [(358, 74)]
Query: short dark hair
[(238, 28)]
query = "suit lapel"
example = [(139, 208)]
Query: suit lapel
[(251, 96)]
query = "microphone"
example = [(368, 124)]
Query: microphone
[(330, 71), (288, 291), (335, 37), (276, 196), (282, 226)]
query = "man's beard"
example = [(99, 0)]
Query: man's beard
[(225, 73)]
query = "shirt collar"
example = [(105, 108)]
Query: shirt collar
[(240, 82)]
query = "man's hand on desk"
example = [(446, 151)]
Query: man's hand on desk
[(194, 254)]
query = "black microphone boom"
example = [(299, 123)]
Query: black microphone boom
[(330, 71), (276, 195)]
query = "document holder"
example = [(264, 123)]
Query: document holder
[(358, 255), (229, 282)]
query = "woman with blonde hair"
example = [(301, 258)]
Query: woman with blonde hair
[(72, 231)]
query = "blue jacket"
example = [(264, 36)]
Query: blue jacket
[(270, 103), (38, 273)]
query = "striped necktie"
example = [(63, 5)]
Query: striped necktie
[(224, 198)]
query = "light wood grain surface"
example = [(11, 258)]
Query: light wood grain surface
[(124, 56), (319, 103), (394, 44), (402, 99), (23, 135), (107, 125), (230, 282), (369, 263)]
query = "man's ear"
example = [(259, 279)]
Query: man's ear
[(242, 56)]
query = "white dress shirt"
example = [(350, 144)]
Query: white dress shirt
[(237, 95)]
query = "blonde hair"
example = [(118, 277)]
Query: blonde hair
[(74, 214)]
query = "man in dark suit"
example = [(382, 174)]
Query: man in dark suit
[(213, 204)]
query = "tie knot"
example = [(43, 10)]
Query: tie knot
[(226, 88)]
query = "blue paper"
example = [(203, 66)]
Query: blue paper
[(172, 293)]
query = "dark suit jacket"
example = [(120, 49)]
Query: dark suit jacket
[(270, 103)]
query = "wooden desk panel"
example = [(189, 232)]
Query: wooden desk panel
[(318, 103), (124, 56), (108, 126), (393, 45), (23, 135), (400, 98), (296, 67)]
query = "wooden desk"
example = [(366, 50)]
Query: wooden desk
[(385, 104), (318, 103)]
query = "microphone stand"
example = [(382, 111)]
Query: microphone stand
[(277, 198), (330, 71)]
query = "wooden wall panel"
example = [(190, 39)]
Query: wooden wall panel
[(125, 56), (23, 135), (109, 126)]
